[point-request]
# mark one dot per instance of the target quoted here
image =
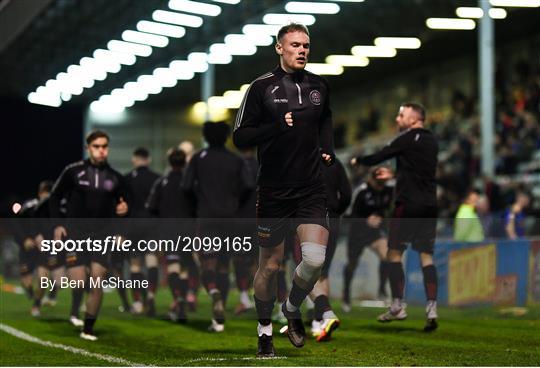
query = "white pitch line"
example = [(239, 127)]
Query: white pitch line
[(109, 358), (231, 359)]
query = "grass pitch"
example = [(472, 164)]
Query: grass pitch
[(480, 336)]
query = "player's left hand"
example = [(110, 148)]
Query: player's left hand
[(122, 207), (383, 173), (327, 159)]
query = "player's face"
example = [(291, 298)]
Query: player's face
[(294, 51), (406, 117), (98, 150)]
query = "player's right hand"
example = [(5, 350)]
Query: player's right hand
[(374, 221), (289, 119), (59, 232), (354, 161), (28, 243)]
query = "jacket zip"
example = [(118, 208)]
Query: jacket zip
[(96, 179), (299, 94)]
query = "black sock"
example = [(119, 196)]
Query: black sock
[(76, 299), (383, 276), (89, 321), (29, 292), (397, 279), (123, 297), (175, 286), (430, 282), (322, 304), (281, 286), (297, 295), (137, 277), (53, 292), (347, 279), (37, 302), (208, 278), (264, 310), (153, 279), (223, 285)]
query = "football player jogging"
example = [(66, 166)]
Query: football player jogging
[(370, 206), (139, 182), (286, 114), (414, 220), (94, 191)]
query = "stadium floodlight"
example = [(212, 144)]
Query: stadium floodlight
[(254, 39), (469, 12), (324, 69), (373, 51), (347, 60), (261, 29), (68, 84), (398, 42), (77, 73), (280, 19), (195, 7), (165, 77), (149, 84), (497, 13), (314, 7), (129, 48), (161, 29), (177, 18), (198, 61), (123, 96), (145, 38), (451, 23), (47, 100), (133, 90), (214, 58), (516, 3), (65, 96), (100, 107), (99, 66), (117, 99), (113, 56), (232, 2), (183, 69), (97, 69), (233, 49)]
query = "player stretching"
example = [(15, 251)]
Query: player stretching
[(414, 219)]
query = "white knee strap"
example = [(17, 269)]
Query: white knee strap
[(313, 256)]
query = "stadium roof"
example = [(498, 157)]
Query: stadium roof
[(41, 39)]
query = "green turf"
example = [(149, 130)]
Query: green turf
[(473, 336)]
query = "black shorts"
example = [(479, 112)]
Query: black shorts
[(361, 237), (280, 209), (52, 261), (415, 225), (28, 260)]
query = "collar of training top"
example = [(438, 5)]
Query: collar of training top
[(297, 76)]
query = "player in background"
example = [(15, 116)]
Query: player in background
[(168, 201), (370, 207), (414, 220), (139, 182)]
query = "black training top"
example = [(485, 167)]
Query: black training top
[(288, 156), (416, 151), (338, 188), (167, 199), (369, 201), (218, 179), (91, 191), (248, 208), (139, 182)]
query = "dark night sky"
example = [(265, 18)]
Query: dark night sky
[(37, 143)]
